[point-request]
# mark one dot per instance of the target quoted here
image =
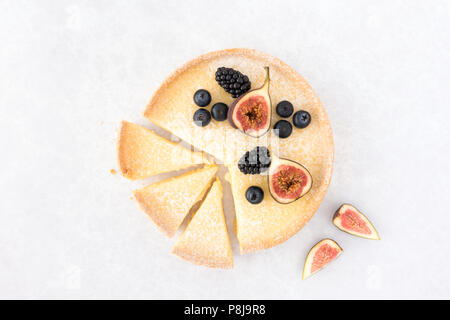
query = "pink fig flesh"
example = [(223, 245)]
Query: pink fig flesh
[(324, 252), (288, 180), (251, 112), (349, 219)]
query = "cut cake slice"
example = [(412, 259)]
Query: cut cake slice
[(205, 240), (167, 202), (142, 153)]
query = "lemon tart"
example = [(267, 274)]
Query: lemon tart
[(167, 202), (205, 240)]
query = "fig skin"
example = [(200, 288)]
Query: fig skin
[(231, 110), (261, 91), (372, 236), (280, 161), (307, 266)]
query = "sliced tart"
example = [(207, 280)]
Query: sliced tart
[(167, 202), (263, 225), (143, 153), (205, 240)]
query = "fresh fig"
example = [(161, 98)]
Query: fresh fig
[(319, 256), (349, 219), (252, 111), (288, 180)]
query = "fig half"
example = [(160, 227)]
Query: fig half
[(319, 256), (251, 113), (349, 219), (288, 180)]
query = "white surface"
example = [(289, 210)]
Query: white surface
[(71, 70)]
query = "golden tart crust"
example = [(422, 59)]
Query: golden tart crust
[(171, 107)]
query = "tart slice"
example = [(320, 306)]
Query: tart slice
[(205, 240), (167, 202), (143, 153)]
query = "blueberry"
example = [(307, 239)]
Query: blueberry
[(219, 111), (301, 119), (285, 109), (283, 128), (254, 195), (202, 117), (202, 98)]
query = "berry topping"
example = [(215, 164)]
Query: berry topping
[(283, 128), (232, 81), (219, 111), (202, 117), (254, 195), (255, 162), (285, 109), (202, 98), (301, 119)]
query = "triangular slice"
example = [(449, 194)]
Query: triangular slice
[(167, 202), (205, 240), (142, 153)]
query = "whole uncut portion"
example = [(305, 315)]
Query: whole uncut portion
[(232, 81), (255, 161)]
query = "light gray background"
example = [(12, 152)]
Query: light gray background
[(71, 70)]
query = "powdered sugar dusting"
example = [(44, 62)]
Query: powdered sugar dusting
[(205, 240), (168, 202), (172, 108)]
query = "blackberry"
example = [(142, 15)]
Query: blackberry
[(232, 81), (255, 161)]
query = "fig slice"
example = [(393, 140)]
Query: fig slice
[(319, 256), (288, 180), (252, 112), (349, 219)]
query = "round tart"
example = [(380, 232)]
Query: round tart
[(268, 223)]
